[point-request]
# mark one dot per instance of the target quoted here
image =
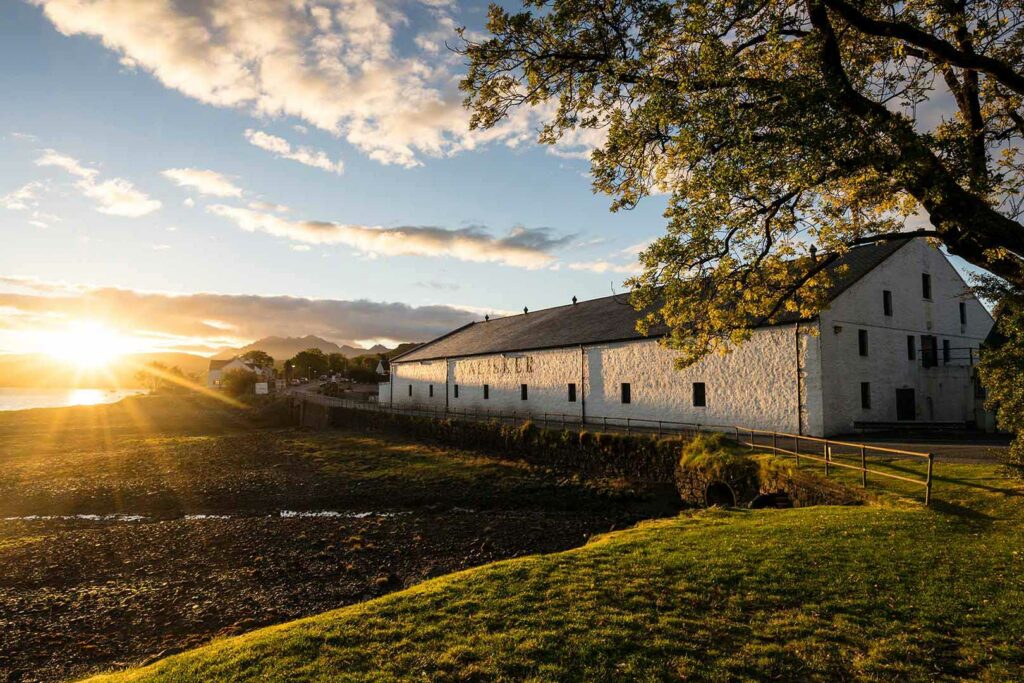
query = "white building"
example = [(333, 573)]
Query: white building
[(219, 368), (897, 343)]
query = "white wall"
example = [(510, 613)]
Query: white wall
[(754, 386), (947, 389)]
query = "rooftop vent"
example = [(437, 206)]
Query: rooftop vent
[(574, 301), (487, 317), (525, 310)]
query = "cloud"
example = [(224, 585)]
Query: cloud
[(204, 181), (605, 267), (116, 197), (359, 69), (189, 202), (440, 286), (268, 206), (22, 198), (212, 320), (522, 247), (283, 149)]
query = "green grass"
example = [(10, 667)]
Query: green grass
[(890, 591)]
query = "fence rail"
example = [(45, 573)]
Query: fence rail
[(832, 453)]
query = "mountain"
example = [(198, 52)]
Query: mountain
[(283, 348)]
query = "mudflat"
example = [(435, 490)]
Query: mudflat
[(134, 530)]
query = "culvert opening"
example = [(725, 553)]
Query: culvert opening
[(719, 493)]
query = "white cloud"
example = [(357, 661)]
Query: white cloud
[(301, 247), (268, 206), (280, 147), (39, 224), (189, 202), (161, 247), (22, 198), (522, 247), (204, 181), (116, 197), (605, 267), (356, 68)]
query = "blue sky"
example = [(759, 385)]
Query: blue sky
[(98, 119)]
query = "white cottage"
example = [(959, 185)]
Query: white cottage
[(897, 343)]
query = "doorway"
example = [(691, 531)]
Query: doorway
[(906, 407)]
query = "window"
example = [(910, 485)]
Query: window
[(926, 285), (487, 391), (522, 392), (865, 395), (862, 342), (929, 351), (572, 393), (430, 391), (887, 302), (410, 390), (963, 313), (911, 347), (946, 352), (455, 391), (699, 395), (626, 392)]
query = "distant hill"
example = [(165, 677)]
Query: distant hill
[(283, 348), (38, 370)]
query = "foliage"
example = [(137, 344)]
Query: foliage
[(1002, 368), (814, 594), (160, 379), (239, 382), (260, 359), (310, 363), (337, 363), (771, 126)]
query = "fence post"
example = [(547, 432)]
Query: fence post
[(737, 436), (928, 481), (605, 423), (659, 427), (751, 439), (863, 467), (775, 444), (797, 450), (828, 456), (627, 425)]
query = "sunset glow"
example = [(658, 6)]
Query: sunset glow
[(84, 344)]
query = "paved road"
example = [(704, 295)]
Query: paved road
[(966, 447)]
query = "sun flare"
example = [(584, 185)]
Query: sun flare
[(85, 344)]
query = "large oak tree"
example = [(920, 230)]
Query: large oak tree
[(772, 125)]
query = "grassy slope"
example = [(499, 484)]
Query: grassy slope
[(892, 591)]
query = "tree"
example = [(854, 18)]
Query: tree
[(158, 378), (239, 382), (773, 125), (1001, 364), (260, 359), (310, 363), (337, 364)]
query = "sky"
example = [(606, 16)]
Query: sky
[(200, 174), (195, 174)]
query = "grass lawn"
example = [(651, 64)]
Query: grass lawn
[(888, 591)]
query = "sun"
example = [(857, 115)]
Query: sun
[(85, 344)]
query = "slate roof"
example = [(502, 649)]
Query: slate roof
[(607, 319), (218, 364)]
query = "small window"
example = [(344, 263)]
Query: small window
[(926, 285), (410, 390), (929, 351), (862, 342), (522, 392), (911, 347), (626, 392), (946, 352), (963, 313), (455, 391), (487, 391), (699, 395), (865, 395), (887, 303), (572, 393), (430, 391)]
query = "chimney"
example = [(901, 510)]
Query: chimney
[(574, 301), (525, 310), (487, 317), (814, 253)]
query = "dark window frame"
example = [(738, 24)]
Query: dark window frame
[(700, 395), (862, 342), (410, 390), (455, 391), (487, 391), (625, 392), (963, 312), (524, 392), (911, 347), (865, 395), (430, 391), (926, 286), (887, 303), (571, 389), (947, 352)]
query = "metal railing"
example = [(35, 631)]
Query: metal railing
[(832, 453)]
